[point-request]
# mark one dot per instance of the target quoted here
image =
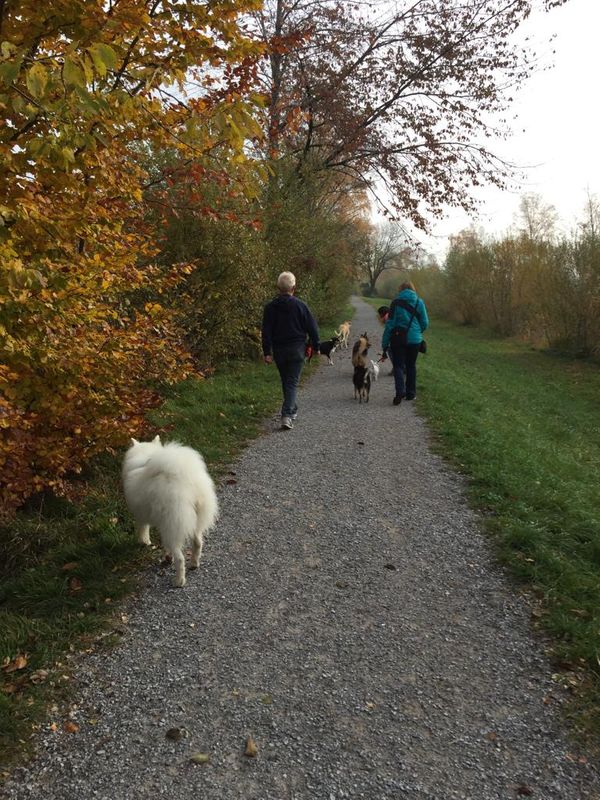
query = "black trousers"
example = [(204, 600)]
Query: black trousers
[(404, 361)]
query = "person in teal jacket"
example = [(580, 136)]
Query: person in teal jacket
[(402, 337)]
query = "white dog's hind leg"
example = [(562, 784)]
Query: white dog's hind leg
[(179, 561), (196, 550), (143, 533)]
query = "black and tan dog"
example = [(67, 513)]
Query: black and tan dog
[(362, 383)]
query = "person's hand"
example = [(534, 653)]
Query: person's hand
[(383, 357), (268, 359)]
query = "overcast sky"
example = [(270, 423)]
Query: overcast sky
[(557, 129)]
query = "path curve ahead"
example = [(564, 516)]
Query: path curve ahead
[(348, 616)]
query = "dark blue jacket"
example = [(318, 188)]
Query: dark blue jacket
[(287, 321)]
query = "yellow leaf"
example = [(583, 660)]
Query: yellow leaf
[(37, 79), (200, 758)]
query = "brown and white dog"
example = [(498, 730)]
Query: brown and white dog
[(360, 351), (344, 334)]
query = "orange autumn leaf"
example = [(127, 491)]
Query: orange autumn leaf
[(19, 662), (70, 727)]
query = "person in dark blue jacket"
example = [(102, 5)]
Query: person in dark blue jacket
[(402, 337), (287, 321)]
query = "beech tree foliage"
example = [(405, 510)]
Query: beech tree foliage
[(85, 87)]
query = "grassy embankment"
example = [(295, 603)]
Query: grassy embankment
[(65, 565), (524, 427)]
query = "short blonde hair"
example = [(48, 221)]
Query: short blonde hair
[(407, 285), (286, 282)]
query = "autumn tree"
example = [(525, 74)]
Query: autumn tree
[(396, 97), (85, 89), (536, 219), (386, 248), (315, 227)]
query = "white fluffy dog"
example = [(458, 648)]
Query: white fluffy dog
[(168, 486)]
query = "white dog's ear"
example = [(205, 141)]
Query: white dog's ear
[(156, 439), (133, 442)]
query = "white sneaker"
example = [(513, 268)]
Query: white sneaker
[(286, 422)]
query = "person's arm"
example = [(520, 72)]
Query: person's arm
[(422, 317), (267, 334), (312, 329), (387, 332)]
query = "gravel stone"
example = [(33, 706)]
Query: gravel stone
[(355, 680)]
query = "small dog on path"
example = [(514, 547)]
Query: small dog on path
[(360, 350), (344, 334), (362, 383), (373, 369), (168, 487), (329, 347)]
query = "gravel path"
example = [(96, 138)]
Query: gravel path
[(348, 616)]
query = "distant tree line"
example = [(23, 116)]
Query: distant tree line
[(534, 282)]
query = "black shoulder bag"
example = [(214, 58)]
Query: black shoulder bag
[(399, 334)]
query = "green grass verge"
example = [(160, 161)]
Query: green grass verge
[(524, 427)]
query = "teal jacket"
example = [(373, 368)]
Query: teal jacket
[(399, 317)]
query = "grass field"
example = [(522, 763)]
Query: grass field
[(524, 427)]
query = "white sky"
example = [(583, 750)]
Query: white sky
[(557, 132)]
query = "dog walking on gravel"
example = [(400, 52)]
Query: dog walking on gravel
[(287, 321), (168, 487)]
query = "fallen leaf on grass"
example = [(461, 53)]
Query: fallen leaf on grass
[(39, 676), (251, 749), (75, 585), (71, 565), (200, 758), (18, 662)]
